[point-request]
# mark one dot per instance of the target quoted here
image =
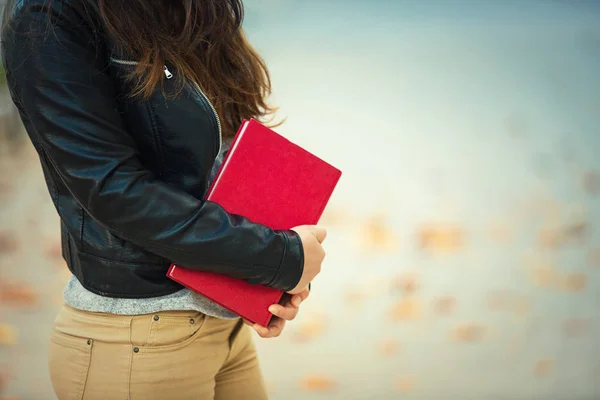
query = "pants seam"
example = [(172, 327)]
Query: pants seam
[(130, 359)]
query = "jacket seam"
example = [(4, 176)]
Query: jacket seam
[(285, 249), (81, 228), (52, 178), (205, 106), (69, 249), (176, 288), (156, 136), (122, 261), (205, 103)]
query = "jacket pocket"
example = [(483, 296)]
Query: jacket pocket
[(69, 360)]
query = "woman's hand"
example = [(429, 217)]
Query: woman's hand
[(285, 311), (312, 236)]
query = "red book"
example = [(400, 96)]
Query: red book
[(271, 181)]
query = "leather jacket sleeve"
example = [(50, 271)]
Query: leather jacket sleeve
[(58, 80)]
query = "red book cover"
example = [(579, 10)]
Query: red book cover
[(271, 181)]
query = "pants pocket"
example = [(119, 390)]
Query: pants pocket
[(69, 363)]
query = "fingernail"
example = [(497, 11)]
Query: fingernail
[(273, 309), (296, 301)]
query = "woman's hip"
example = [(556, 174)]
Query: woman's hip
[(159, 329), (171, 354)]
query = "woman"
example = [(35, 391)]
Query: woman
[(128, 104)]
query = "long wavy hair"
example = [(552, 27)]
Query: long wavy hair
[(201, 39)]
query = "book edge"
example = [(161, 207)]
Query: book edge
[(326, 199), (277, 299), (231, 150)]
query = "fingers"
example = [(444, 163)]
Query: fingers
[(273, 330), (297, 299), (282, 313), (320, 233), (296, 291), (287, 313)]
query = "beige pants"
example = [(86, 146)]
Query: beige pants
[(167, 356)]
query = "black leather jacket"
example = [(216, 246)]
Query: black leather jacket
[(128, 176)]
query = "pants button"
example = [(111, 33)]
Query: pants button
[(136, 349), (156, 318), (192, 321)]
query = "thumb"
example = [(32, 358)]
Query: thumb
[(320, 233)]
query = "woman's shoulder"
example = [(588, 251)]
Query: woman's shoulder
[(56, 11), (25, 18)]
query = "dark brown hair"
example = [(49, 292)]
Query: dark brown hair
[(202, 40)]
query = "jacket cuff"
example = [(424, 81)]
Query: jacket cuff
[(291, 266)]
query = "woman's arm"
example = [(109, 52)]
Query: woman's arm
[(58, 80)]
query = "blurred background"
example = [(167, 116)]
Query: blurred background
[(464, 246)]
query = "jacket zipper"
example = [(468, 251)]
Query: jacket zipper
[(199, 90), (169, 75)]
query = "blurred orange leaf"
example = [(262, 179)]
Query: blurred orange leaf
[(8, 242), (498, 300), (317, 383), (388, 347), (440, 239), (534, 258), (573, 282), (310, 329), (503, 300), (591, 182), (407, 283), (577, 222), (18, 295), (377, 235), (405, 384), (549, 209), (468, 333), (405, 310), (543, 367), (574, 327), (53, 251), (550, 238), (522, 305), (3, 380), (593, 257), (544, 277), (353, 297), (8, 334), (445, 305), (5, 188)]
